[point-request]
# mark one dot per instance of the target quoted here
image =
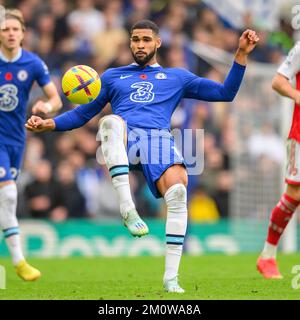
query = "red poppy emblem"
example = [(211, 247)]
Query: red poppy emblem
[(8, 76), (143, 76)]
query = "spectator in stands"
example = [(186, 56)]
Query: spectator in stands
[(85, 20), (72, 200), (43, 194), (202, 208)]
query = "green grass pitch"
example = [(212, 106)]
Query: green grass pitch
[(204, 277)]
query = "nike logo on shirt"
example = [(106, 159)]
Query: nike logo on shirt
[(124, 77)]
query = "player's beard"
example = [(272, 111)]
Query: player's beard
[(145, 60)]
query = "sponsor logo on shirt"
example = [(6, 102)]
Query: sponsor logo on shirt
[(124, 77), (8, 97), (143, 92)]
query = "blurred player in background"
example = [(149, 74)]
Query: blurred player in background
[(143, 96), (289, 201), (19, 69)]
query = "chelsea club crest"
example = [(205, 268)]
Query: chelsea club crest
[(22, 75), (160, 76)]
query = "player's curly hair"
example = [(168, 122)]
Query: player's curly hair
[(15, 14), (145, 24)]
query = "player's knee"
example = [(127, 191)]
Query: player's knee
[(8, 200), (111, 122), (181, 193), (111, 125), (5, 183), (177, 207), (293, 191), (9, 194), (176, 194), (184, 180), (181, 174)]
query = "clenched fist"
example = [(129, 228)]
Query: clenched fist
[(37, 124), (248, 41)]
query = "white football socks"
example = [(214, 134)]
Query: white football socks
[(14, 246), (176, 199), (269, 251), (8, 221), (122, 187), (112, 132)]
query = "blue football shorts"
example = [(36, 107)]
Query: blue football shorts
[(10, 161), (152, 151)]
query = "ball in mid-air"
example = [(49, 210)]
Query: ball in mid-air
[(81, 84)]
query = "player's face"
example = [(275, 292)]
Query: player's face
[(144, 44), (11, 34)]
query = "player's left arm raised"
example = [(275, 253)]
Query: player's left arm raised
[(247, 43), (208, 90), (52, 105)]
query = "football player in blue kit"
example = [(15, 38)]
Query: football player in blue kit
[(19, 69), (143, 96)]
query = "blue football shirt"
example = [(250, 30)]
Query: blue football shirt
[(146, 97), (16, 80)]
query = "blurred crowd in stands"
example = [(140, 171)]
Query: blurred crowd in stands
[(61, 178)]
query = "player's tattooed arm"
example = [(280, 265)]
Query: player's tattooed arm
[(37, 124), (247, 43)]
